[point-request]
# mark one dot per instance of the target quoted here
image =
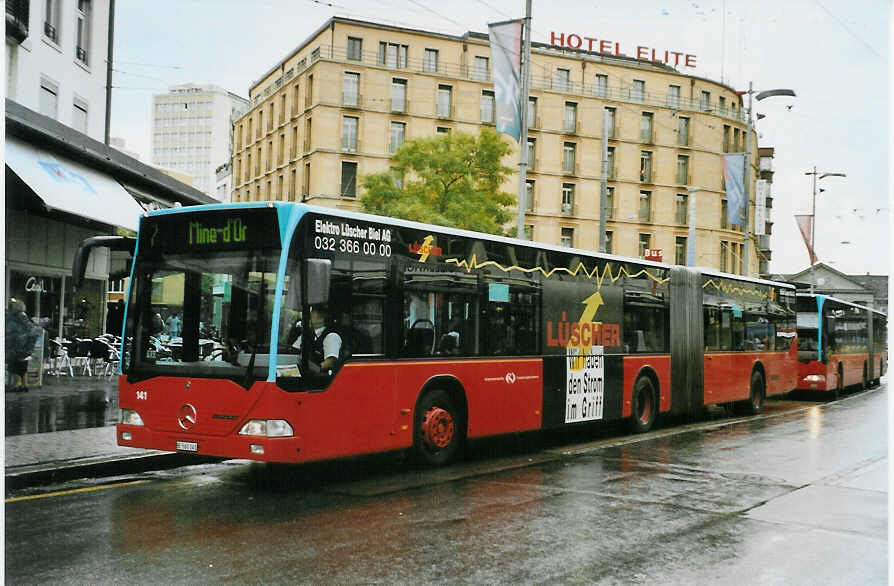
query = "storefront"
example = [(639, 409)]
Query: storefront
[(63, 187)]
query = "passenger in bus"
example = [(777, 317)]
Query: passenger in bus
[(449, 343)]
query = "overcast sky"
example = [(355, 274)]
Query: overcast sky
[(833, 53)]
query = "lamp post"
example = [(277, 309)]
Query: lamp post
[(747, 176), (822, 175)]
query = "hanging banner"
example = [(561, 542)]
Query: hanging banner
[(762, 192), (505, 52), (734, 176), (805, 225)]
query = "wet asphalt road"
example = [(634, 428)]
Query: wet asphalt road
[(798, 497)]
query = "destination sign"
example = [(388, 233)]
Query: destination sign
[(230, 229)]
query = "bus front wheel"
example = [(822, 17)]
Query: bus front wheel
[(438, 430), (644, 407)]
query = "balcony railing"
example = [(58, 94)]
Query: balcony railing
[(460, 71)]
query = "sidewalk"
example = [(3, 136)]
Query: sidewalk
[(65, 429)]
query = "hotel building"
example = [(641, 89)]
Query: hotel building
[(346, 98)]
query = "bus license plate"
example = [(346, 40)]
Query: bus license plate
[(187, 446)]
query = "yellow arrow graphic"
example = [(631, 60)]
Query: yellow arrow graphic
[(425, 249), (593, 302)]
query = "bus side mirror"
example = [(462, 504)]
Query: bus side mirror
[(317, 282), (82, 254)]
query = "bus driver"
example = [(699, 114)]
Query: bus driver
[(327, 345)]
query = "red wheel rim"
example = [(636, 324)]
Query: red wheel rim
[(437, 428)]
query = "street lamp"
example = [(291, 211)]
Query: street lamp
[(747, 177), (822, 175)]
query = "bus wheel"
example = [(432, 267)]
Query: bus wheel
[(438, 429), (645, 406), (756, 397)]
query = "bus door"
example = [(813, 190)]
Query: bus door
[(687, 342)]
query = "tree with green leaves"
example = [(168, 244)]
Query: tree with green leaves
[(451, 179)]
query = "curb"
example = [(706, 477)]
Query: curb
[(54, 472)]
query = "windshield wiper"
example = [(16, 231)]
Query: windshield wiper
[(249, 372)]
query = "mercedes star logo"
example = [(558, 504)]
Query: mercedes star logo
[(187, 416)]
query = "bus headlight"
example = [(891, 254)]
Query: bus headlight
[(130, 417), (267, 428), (815, 378)]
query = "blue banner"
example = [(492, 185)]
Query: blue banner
[(505, 52), (734, 177)]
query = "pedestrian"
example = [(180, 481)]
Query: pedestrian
[(21, 334)]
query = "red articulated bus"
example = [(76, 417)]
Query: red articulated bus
[(441, 335), (840, 344)]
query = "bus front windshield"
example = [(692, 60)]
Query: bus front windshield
[(203, 314)]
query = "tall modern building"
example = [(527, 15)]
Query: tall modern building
[(347, 97), (763, 198), (192, 131), (56, 54)]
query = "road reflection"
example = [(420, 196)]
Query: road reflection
[(38, 413)]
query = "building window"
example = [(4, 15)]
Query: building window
[(673, 96), (82, 49), (309, 92), (568, 198), (269, 157), (487, 107), (563, 80), (295, 101), (609, 242), (645, 167), (683, 131), (600, 86), (445, 101), (480, 69), (721, 105), (305, 187), (355, 49), (724, 254), (348, 179), (705, 101), (610, 114), (282, 108), (570, 123), (682, 209), (529, 195), (680, 250), (398, 95), (398, 133), (638, 92), (532, 113), (392, 55), (51, 21), (293, 187), (611, 162), (682, 169), (532, 144), (352, 89), (79, 115), (645, 243), (294, 146), (529, 232), (645, 127), (736, 141), (442, 130), (307, 134), (725, 145), (568, 158), (609, 203), (49, 97), (724, 215), (349, 125), (645, 206), (282, 148), (430, 61), (567, 238)]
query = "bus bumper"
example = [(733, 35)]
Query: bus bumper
[(265, 449)]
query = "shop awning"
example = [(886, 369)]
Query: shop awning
[(72, 187)]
